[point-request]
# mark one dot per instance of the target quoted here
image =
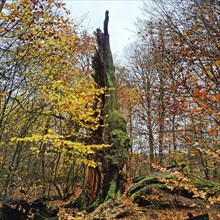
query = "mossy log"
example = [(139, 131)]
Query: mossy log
[(146, 181), (151, 190), (20, 210)]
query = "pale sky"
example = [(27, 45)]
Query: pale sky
[(122, 15)]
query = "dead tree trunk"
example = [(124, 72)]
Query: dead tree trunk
[(105, 181)]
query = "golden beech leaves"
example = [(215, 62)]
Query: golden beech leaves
[(59, 144), (53, 54)]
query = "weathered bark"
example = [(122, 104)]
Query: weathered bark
[(105, 181)]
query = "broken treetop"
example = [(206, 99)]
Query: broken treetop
[(106, 23)]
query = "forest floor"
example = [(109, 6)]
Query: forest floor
[(157, 205), (124, 209), (161, 206)]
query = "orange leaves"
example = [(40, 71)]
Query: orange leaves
[(215, 98), (181, 130), (197, 91), (190, 61), (217, 63), (196, 110), (203, 104), (179, 181), (192, 152), (173, 88), (189, 139), (184, 51), (214, 131), (3, 94), (128, 99)]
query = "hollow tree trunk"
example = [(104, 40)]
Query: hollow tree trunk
[(105, 180)]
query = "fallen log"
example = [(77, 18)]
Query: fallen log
[(21, 210), (151, 190)]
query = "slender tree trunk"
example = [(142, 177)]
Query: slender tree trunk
[(161, 118), (149, 122), (173, 132)]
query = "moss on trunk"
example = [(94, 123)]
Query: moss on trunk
[(106, 180)]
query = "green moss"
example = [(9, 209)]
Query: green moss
[(205, 183), (110, 70), (119, 139), (111, 79), (116, 121), (148, 180), (111, 102), (113, 192), (147, 190), (210, 187), (118, 194), (81, 201), (98, 201), (112, 189)]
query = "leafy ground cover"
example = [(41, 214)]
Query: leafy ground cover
[(124, 209), (161, 205)]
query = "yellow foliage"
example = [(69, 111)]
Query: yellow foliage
[(50, 49)]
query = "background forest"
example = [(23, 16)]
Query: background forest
[(168, 88)]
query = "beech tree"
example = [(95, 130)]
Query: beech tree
[(46, 97), (183, 41), (193, 48)]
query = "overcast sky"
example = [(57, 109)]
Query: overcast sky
[(122, 15)]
